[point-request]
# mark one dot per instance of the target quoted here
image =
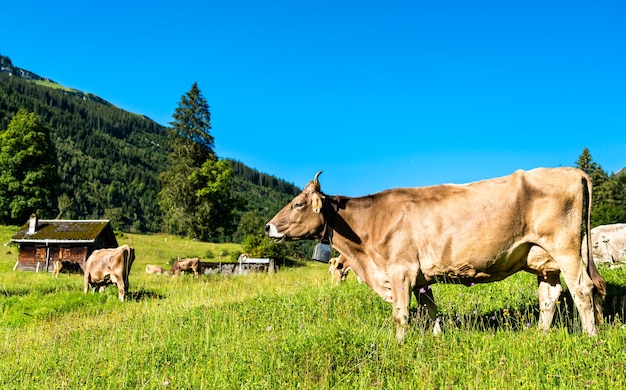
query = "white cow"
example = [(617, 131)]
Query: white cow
[(608, 243)]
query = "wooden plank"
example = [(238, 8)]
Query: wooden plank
[(255, 261)]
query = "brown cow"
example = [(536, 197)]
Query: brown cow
[(154, 269), (402, 240), (109, 266), (65, 266), (185, 265), (338, 269)]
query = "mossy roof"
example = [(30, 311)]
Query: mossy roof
[(66, 231)]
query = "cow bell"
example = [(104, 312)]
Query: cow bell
[(321, 253)]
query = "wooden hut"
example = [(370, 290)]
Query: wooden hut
[(42, 242)]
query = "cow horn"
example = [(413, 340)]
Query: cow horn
[(317, 182), (313, 185)]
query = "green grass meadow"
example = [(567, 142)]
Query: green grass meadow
[(289, 330)]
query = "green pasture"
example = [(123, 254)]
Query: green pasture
[(289, 330)]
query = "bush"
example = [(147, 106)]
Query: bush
[(260, 246)]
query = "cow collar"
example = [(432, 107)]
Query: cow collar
[(330, 205)]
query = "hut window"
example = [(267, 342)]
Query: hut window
[(41, 253), (64, 253)]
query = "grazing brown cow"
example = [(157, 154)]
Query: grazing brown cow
[(338, 269), (402, 240), (109, 266), (65, 266), (185, 265), (154, 269)]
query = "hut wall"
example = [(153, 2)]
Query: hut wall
[(30, 256)]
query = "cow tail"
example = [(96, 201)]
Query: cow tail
[(126, 267), (597, 279), (592, 271)]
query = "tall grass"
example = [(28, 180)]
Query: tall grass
[(292, 329)]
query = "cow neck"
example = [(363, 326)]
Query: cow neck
[(330, 207)]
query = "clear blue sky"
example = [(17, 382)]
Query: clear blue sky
[(377, 94)]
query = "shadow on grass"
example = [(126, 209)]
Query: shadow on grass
[(516, 319), (614, 305), (14, 292), (144, 294)]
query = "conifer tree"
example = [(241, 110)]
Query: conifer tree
[(609, 192), (28, 172), (195, 192), (594, 170)]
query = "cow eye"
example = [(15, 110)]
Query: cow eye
[(298, 205)]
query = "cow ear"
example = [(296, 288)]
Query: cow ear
[(316, 202)]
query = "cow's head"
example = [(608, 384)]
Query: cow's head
[(302, 218)]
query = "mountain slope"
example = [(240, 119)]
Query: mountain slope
[(109, 159)]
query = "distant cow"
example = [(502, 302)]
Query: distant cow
[(66, 267), (338, 269), (154, 269), (402, 240), (58, 265), (109, 266), (183, 265), (608, 243)]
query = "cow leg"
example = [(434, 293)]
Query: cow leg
[(86, 284), (426, 300), (121, 290), (57, 268), (582, 290), (549, 292), (401, 299)]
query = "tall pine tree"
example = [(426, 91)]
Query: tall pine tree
[(195, 192), (28, 172), (609, 192), (594, 170)]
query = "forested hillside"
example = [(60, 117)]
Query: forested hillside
[(109, 159)]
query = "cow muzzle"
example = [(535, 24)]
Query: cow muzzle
[(272, 232)]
